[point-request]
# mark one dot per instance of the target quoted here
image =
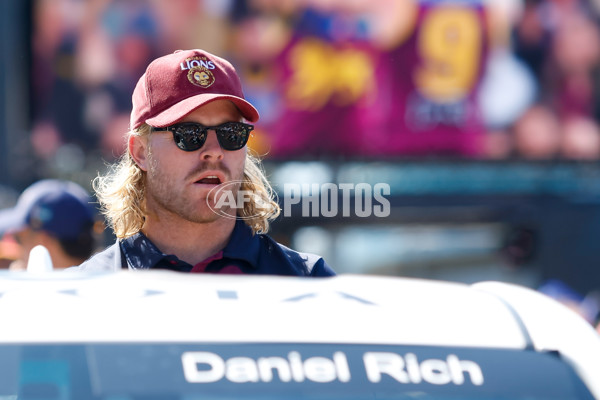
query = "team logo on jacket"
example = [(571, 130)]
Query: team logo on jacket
[(199, 71)]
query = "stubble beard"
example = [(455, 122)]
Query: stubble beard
[(170, 196)]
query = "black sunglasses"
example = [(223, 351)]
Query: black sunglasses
[(190, 136)]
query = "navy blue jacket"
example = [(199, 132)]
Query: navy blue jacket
[(248, 253)]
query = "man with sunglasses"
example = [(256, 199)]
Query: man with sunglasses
[(169, 199)]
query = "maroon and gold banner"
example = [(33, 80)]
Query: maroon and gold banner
[(343, 94)]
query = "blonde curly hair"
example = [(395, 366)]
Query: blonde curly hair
[(121, 194)]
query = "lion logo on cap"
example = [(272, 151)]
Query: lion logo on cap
[(201, 77)]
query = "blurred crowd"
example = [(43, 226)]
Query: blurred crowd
[(494, 79)]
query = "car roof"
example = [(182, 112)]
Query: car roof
[(151, 306), (166, 306)]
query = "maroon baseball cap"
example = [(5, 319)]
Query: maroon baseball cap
[(176, 84)]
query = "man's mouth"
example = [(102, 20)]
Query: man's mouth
[(210, 180)]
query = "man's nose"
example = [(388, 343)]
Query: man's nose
[(212, 148)]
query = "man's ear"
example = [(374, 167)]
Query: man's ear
[(137, 148)]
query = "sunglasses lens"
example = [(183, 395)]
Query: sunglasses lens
[(189, 137), (234, 135)]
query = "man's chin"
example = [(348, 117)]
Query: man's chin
[(222, 210), (209, 216)]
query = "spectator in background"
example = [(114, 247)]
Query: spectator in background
[(580, 139), (10, 251), (531, 37), (536, 134), (575, 60), (540, 134), (56, 214)]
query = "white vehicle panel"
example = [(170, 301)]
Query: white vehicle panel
[(155, 306)]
